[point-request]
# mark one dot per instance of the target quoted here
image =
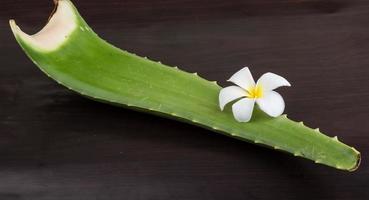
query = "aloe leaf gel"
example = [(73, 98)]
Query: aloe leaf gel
[(68, 51)]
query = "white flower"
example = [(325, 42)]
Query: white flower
[(248, 93)]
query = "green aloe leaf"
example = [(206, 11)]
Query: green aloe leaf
[(68, 51)]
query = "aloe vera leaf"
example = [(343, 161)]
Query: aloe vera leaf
[(68, 51)]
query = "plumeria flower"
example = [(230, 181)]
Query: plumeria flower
[(248, 92)]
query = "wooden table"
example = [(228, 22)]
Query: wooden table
[(57, 145)]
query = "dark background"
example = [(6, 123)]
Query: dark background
[(55, 144)]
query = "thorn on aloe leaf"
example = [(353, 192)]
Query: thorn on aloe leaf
[(339, 167), (297, 154)]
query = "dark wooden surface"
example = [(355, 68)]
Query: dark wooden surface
[(57, 145)]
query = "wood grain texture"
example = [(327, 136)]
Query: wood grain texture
[(55, 144)]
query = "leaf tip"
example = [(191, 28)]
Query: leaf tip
[(358, 160)]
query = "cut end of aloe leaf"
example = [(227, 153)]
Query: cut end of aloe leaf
[(69, 52), (60, 26)]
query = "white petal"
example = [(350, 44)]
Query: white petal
[(229, 94), (242, 109), (272, 103), (243, 78), (270, 81)]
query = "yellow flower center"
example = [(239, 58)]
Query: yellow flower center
[(255, 92)]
